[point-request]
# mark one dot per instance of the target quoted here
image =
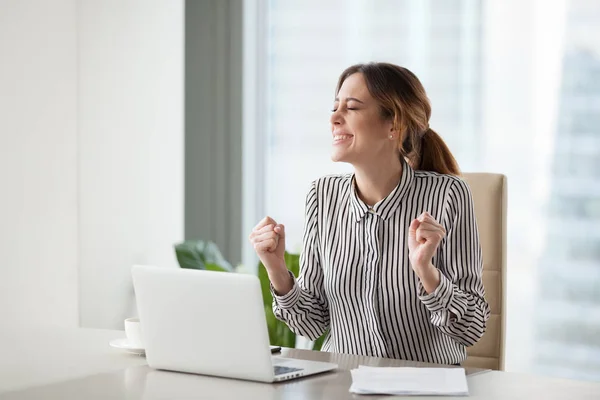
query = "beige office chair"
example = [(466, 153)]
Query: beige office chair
[(489, 197)]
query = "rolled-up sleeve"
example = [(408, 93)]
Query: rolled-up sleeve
[(458, 307), (304, 308)]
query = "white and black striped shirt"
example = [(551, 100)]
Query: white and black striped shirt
[(356, 279)]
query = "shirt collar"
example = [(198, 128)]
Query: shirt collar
[(387, 206)]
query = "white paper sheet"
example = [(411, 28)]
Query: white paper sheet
[(409, 381)]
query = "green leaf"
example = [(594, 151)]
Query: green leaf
[(279, 333), (319, 342), (213, 255), (289, 337), (189, 255), (215, 267), (292, 261), (265, 285), (272, 326), (197, 254)]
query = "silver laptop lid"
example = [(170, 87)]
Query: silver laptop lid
[(203, 322)]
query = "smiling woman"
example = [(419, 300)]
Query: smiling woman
[(391, 262)]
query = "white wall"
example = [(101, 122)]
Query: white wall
[(130, 148), (38, 158), (91, 154)]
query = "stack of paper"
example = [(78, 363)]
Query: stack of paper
[(409, 381)]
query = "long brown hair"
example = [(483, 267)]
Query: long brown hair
[(402, 98)]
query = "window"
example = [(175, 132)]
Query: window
[(522, 101), (310, 43)]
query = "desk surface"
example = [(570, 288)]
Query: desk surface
[(34, 355), (79, 364)]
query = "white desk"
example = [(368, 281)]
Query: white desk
[(34, 356), (79, 364)]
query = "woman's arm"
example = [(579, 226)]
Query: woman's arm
[(304, 308), (457, 305)]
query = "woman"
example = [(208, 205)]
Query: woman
[(391, 262)]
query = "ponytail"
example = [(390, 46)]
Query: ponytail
[(429, 152)]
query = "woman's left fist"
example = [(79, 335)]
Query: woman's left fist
[(424, 237)]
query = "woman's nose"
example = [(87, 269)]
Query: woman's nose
[(335, 118)]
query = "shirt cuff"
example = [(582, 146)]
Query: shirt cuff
[(289, 299), (440, 299)]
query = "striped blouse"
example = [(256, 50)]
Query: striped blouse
[(356, 281)]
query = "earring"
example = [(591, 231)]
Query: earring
[(391, 136)]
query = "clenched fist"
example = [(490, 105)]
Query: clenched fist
[(424, 236), (268, 239)]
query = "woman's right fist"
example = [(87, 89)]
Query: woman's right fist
[(268, 239)]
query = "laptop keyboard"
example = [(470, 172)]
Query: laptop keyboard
[(281, 370)]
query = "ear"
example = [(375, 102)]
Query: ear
[(392, 128), (393, 132)]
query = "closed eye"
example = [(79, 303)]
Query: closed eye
[(347, 108)]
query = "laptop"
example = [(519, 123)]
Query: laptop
[(210, 323)]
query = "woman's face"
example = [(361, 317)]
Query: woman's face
[(360, 134)]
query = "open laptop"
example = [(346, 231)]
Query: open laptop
[(210, 323)]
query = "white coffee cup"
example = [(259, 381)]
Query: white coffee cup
[(133, 331)]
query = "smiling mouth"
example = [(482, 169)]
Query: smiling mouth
[(341, 138)]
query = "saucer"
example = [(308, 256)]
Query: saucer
[(124, 344)]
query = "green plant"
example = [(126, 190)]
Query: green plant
[(200, 254), (205, 255), (279, 333)]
